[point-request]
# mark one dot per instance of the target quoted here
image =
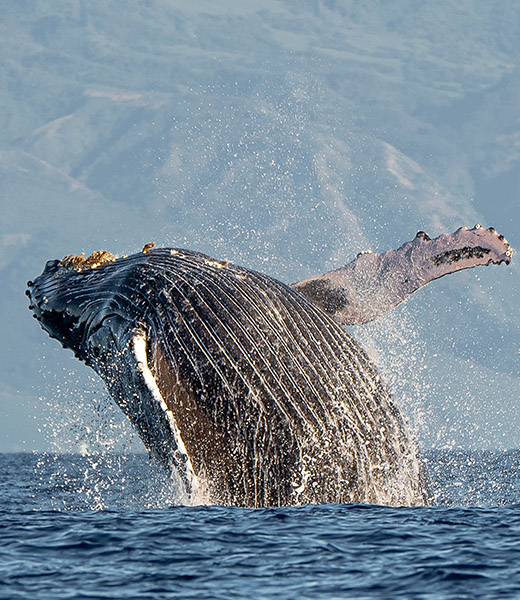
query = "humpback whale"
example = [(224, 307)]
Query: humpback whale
[(249, 391)]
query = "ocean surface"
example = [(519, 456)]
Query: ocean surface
[(107, 526)]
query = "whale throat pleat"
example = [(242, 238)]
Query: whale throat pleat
[(273, 380)]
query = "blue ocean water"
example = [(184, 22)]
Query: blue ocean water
[(105, 527)]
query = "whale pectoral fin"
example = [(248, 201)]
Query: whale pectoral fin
[(124, 367), (373, 284), (164, 437)]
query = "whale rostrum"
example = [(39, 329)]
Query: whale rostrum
[(249, 391)]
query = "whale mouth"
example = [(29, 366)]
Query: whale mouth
[(59, 317), (51, 319), (68, 302)]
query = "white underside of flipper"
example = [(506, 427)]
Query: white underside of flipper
[(152, 398)]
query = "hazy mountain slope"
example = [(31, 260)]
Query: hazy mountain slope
[(286, 137)]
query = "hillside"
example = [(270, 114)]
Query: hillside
[(287, 138)]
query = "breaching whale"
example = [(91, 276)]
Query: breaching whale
[(249, 390)]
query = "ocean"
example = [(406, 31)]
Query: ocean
[(107, 526)]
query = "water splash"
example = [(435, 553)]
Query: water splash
[(95, 461)]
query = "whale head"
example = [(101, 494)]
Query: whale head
[(76, 299)]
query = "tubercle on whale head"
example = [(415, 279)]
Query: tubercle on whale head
[(80, 262)]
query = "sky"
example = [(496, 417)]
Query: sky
[(285, 137)]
